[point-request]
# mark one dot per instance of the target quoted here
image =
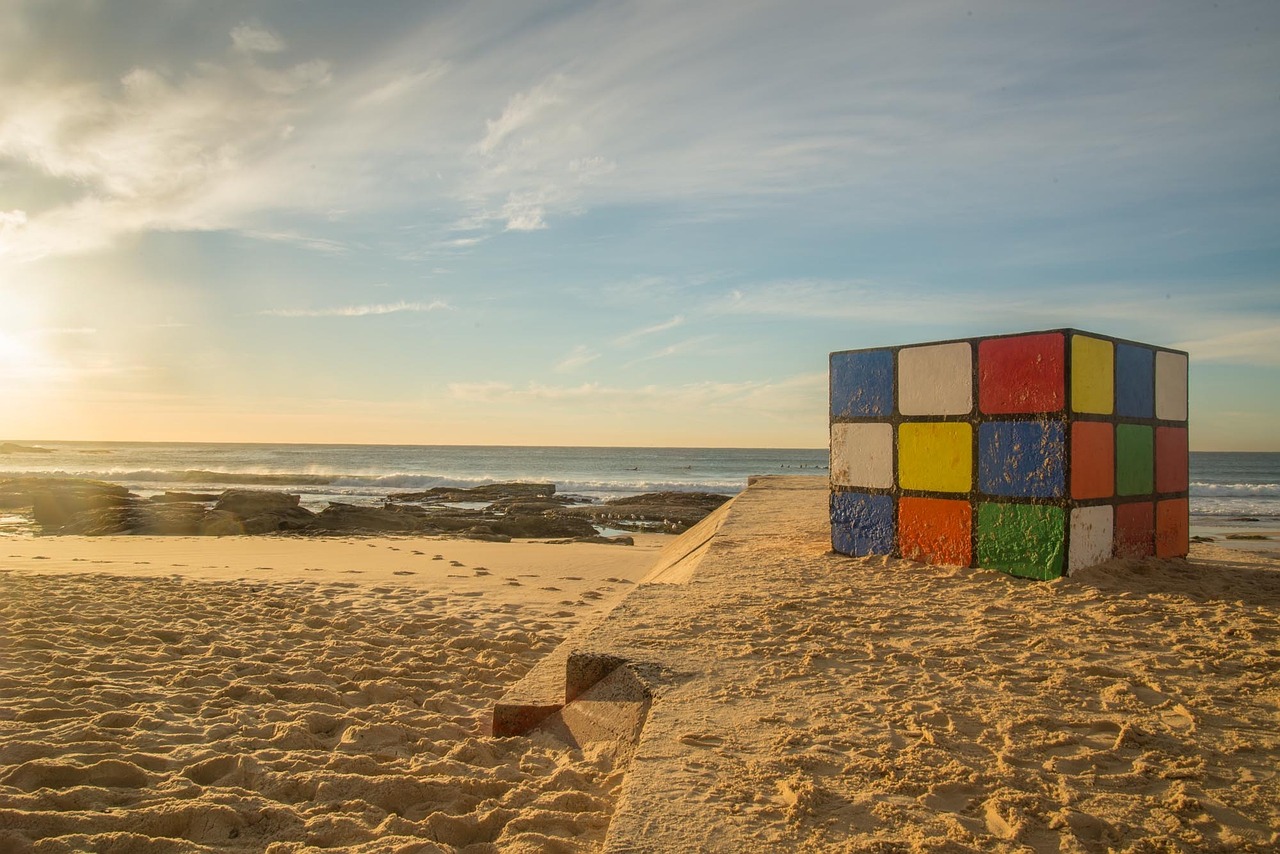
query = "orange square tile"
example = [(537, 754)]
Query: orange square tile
[(1093, 459), (935, 530)]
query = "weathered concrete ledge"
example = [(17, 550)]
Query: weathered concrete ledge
[(572, 669), (620, 677)]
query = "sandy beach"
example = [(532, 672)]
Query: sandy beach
[(285, 694), (288, 695)]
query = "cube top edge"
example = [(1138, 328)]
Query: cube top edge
[(979, 338)]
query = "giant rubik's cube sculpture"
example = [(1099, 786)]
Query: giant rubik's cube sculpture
[(1035, 454)]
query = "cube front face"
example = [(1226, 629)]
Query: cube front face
[(1037, 454)]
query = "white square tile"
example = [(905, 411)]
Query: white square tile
[(862, 455), (1171, 386), (1091, 533), (935, 380)]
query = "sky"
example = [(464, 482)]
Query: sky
[(614, 223)]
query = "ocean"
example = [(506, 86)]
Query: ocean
[(1224, 486)]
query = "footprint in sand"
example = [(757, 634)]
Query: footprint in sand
[(571, 578), (514, 583), (415, 551), (480, 570), (437, 557), (456, 563), (593, 594), (696, 740), (554, 589), (264, 568), (404, 572), (353, 572)]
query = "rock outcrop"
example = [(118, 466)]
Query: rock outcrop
[(669, 512), (511, 511)]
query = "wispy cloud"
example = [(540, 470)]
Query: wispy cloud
[(248, 38), (787, 396), (578, 357), (319, 244), (636, 334), (1257, 346), (358, 310), (680, 348)]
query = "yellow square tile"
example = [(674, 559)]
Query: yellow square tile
[(936, 456), (1092, 375)]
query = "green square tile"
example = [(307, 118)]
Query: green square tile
[(1135, 460), (1022, 539)]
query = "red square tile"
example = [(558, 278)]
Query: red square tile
[(1093, 459), (1172, 534), (935, 530), (1135, 529), (1021, 374), (1171, 459)]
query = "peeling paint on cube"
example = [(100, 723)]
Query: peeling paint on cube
[(862, 524), (1021, 539), (862, 455), (1092, 532), (1037, 454)]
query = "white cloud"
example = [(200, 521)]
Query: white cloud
[(786, 397), (524, 212), (578, 357), (666, 325), (522, 110), (159, 152), (679, 348), (248, 38), (1257, 346), (318, 244), (358, 310)]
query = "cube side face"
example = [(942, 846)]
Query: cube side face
[(1036, 454)]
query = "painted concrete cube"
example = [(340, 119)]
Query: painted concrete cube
[(1036, 454)]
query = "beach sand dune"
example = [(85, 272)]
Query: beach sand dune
[(290, 710)]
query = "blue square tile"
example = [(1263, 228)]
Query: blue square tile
[(1135, 381), (1024, 459), (862, 524), (862, 383)]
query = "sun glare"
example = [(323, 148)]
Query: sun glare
[(19, 360)]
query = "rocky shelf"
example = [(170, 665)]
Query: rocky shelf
[(508, 511)]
